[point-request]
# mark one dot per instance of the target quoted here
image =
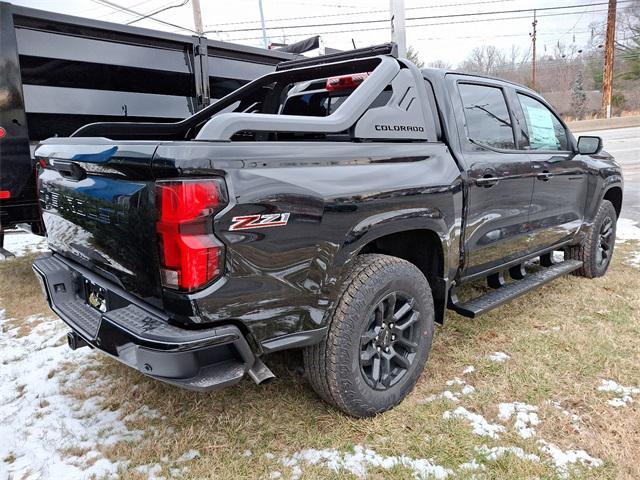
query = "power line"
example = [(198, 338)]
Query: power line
[(342, 14), (499, 36), (115, 12), (118, 7), (160, 10), (430, 17), (422, 25)]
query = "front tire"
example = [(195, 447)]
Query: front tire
[(596, 250), (379, 337)]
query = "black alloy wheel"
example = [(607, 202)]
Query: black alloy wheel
[(388, 346), (379, 337), (596, 249), (603, 253)]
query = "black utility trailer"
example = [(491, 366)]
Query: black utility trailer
[(59, 72)]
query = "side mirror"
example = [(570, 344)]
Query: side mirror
[(589, 145)]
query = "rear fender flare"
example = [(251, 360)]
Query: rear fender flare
[(387, 223), (377, 226)]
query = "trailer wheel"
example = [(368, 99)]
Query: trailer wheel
[(379, 337), (596, 250)]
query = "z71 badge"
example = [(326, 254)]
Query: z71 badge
[(248, 222)]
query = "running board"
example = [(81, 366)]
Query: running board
[(497, 297)]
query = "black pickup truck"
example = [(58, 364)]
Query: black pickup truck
[(336, 205)]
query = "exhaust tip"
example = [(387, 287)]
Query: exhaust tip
[(75, 341), (260, 373)]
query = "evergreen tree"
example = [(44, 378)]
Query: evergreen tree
[(578, 96), (414, 56)]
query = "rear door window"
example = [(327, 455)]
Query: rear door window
[(487, 116)]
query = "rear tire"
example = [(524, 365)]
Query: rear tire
[(596, 250), (379, 337)]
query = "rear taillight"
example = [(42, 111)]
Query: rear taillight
[(5, 194), (190, 254), (3, 132), (346, 82)]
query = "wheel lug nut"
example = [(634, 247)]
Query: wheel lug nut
[(391, 325), (393, 337), (378, 348), (384, 325), (386, 349)]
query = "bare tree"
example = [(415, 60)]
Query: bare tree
[(628, 42), (486, 59), (440, 64)]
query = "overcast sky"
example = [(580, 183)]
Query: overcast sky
[(447, 38)]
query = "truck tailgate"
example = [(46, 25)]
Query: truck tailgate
[(98, 206)]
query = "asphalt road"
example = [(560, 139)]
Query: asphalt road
[(624, 145)]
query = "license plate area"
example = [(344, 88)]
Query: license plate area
[(95, 296)]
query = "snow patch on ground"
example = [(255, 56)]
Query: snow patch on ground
[(152, 471), (478, 423), (495, 453), (499, 357), (22, 243), (46, 433), (627, 229), (625, 394), (360, 460), (471, 466), (634, 260), (461, 389), (469, 369), (526, 417), (188, 456), (564, 459)]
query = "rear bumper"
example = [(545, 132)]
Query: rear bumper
[(140, 336)]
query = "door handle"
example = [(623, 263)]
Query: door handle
[(545, 175), (488, 180)]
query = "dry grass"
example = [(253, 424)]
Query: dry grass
[(563, 340), (20, 293), (599, 115)]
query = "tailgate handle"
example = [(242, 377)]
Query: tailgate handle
[(70, 170)]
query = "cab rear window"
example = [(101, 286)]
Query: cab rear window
[(318, 104)]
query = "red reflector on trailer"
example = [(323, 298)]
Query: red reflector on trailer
[(191, 255), (4, 194), (3, 132), (346, 82)]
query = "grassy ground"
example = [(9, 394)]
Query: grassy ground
[(562, 340)]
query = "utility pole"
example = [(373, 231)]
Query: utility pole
[(265, 41), (197, 16), (609, 50), (533, 57), (398, 32)]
